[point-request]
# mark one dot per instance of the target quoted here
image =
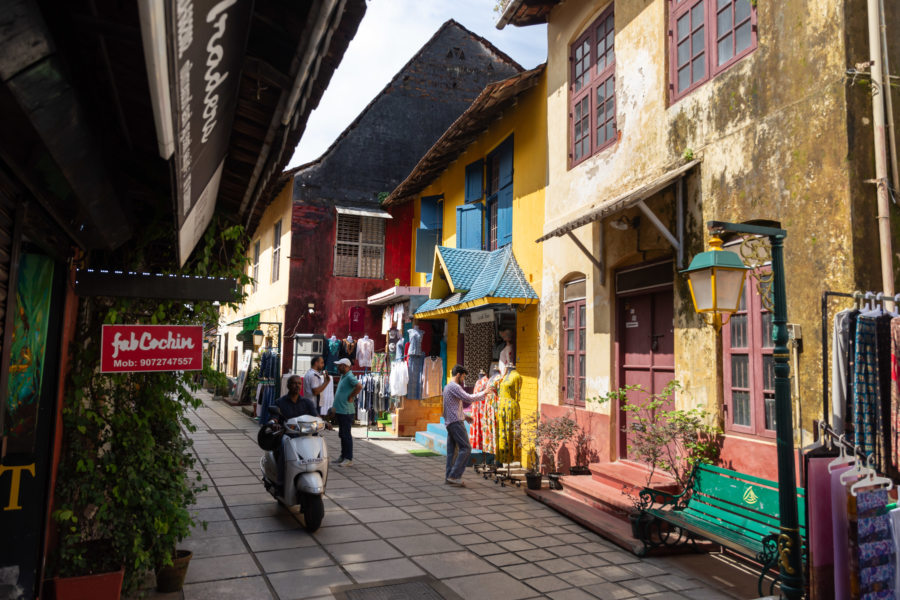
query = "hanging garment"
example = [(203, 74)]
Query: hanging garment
[(871, 393), (416, 371), (399, 378), (332, 354), (820, 530), (378, 362), (506, 358), (399, 354), (895, 396), (433, 374), (508, 444), (476, 430), (415, 342), (386, 319), (840, 363), (326, 399), (840, 526), (365, 349), (876, 545), (895, 533), (489, 416), (478, 350), (398, 316), (348, 349)]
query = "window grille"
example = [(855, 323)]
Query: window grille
[(359, 251), (276, 252)]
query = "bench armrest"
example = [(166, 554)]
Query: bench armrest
[(649, 497)]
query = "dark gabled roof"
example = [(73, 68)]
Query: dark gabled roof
[(387, 138), (522, 13), (492, 101)]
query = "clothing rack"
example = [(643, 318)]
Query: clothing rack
[(827, 329), (825, 429)]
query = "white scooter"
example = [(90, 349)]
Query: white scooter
[(305, 467)]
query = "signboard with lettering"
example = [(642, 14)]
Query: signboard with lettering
[(483, 316), (206, 41), (141, 348)]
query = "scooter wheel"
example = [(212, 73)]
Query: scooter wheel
[(313, 509)]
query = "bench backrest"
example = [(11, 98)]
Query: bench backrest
[(742, 503)]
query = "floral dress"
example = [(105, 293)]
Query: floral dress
[(476, 431), (489, 417), (509, 447)]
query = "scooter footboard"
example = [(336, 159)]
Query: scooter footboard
[(310, 483)]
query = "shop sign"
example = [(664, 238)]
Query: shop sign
[(206, 41), (483, 316), (143, 348)]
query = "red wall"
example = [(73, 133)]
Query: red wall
[(312, 279), (596, 424)]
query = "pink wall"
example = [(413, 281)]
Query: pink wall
[(597, 426)]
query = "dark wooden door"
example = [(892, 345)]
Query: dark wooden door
[(646, 349)]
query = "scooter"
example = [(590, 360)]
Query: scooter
[(305, 465)]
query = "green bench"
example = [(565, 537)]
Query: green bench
[(737, 511)]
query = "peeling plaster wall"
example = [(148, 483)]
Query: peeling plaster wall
[(773, 136)]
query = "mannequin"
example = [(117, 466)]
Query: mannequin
[(508, 442), (416, 361), (365, 350), (348, 348), (332, 353), (507, 353)]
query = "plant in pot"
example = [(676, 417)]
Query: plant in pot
[(582, 443), (663, 438), (127, 474), (552, 434), (528, 429)]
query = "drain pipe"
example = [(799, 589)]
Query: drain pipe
[(889, 104), (881, 180)]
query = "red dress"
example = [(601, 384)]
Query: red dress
[(475, 432)]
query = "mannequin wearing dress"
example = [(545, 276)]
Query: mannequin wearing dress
[(506, 354), (508, 444)]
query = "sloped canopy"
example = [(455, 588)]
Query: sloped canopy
[(465, 279)]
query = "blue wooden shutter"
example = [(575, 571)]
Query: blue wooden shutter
[(474, 181), (431, 213), (426, 240), (505, 193), (468, 226)]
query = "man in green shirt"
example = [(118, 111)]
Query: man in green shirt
[(344, 408)]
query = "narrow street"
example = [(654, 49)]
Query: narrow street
[(389, 518)]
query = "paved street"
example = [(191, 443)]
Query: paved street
[(390, 516)]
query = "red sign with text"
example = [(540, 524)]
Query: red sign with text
[(133, 348)]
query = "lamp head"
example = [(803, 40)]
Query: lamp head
[(716, 280)]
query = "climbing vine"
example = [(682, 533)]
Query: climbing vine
[(127, 473)]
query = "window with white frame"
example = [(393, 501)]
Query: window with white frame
[(359, 249), (276, 252), (254, 267)]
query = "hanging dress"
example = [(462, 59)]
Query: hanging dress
[(489, 417), (476, 434), (508, 446)]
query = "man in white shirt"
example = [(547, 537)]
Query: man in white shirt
[(315, 380)]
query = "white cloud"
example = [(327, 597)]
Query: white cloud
[(391, 32)]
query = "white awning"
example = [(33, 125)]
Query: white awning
[(397, 294), (363, 212)]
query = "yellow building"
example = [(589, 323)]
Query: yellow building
[(479, 207), (267, 295)]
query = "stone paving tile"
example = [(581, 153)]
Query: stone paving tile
[(222, 481), (489, 586), (609, 591), (524, 571), (378, 515), (408, 527), (548, 583), (484, 527), (535, 555), (467, 539), (307, 583), (383, 570), (247, 588), (644, 569), (210, 514), (355, 552), (571, 594), (454, 530), (587, 560), (674, 582), (343, 533), (557, 565), (278, 540), (368, 501), (485, 549), (494, 536), (215, 546), (613, 573), (425, 544), (643, 587), (565, 550), (207, 502), (453, 564), (243, 499), (467, 520), (516, 545), (249, 511), (213, 529), (290, 559), (221, 567), (263, 524)]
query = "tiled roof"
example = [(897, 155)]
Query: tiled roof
[(479, 274)]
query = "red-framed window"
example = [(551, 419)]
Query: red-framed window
[(592, 91), (574, 342), (707, 37), (749, 366)]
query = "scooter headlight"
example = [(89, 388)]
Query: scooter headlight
[(307, 428), (293, 427)]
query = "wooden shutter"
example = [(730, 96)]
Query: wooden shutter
[(426, 240), (474, 181), (505, 193), (469, 220)]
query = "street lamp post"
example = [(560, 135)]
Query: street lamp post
[(789, 544)]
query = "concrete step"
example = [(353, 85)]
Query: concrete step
[(425, 439), (631, 476), (600, 522), (602, 496), (437, 429)]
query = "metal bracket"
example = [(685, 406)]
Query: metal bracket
[(594, 260), (677, 244)]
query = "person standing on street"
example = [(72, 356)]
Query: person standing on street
[(347, 390), (315, 380), (455, 398)]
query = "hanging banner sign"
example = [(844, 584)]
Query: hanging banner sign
[(483, 316), (206, 42), (141, 348)]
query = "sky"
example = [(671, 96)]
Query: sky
[(391, 32)]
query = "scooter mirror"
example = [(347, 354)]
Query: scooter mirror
[(275, 410)]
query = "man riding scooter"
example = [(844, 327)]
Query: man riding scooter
[(291, 405)]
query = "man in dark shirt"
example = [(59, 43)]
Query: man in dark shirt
[(293, 404)]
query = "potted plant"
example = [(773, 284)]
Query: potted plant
[(663, 438), (552, 434), (527, 429), (582, 443)]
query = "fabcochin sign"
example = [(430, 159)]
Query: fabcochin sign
[(206, 44), (135, 348)]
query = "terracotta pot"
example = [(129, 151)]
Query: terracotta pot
[(171, 577), (103, 586)]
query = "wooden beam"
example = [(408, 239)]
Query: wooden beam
[(596, 262), (117, 284)]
